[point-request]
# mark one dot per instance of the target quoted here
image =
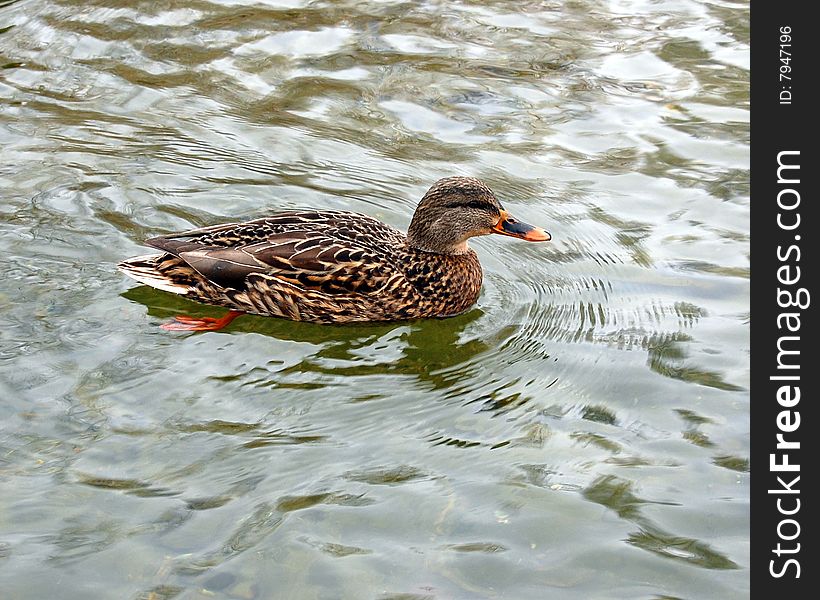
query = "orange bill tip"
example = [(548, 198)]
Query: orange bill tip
[(508, 225)]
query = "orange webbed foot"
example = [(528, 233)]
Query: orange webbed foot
[(184, 323)]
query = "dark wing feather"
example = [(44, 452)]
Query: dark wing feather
[(227, 267), (332, 252)]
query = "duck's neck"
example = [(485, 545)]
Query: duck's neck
[(433, 248), (435, 236)]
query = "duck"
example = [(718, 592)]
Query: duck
[(328, 266)]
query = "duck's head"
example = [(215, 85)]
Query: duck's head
[(458, 208)]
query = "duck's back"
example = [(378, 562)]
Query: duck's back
[(322, 227)]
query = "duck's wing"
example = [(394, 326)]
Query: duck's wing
[(327, 251)]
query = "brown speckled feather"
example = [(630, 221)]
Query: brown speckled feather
[(321, 266)]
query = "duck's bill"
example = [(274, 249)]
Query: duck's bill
[(508, 225)]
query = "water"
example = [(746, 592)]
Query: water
[(582, 433)]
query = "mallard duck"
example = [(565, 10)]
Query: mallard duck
[(334, 266)]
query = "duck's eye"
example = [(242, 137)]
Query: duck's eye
[(478, 205)]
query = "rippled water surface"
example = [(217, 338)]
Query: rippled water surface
[(582, 433)]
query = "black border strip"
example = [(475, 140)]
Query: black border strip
[(784, 168)]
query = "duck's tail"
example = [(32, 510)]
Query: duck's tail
[(162, 271)]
